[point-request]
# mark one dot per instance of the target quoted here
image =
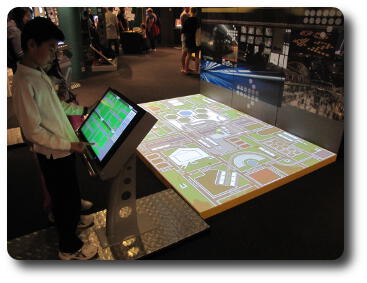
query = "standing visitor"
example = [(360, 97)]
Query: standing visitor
[(112, 28), (152, 28), (123, 24), (183, 17), (190, 29), (17, 18)]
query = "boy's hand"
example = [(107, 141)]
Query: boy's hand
[(79, 147)]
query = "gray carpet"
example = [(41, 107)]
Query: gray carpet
[(142, 78)]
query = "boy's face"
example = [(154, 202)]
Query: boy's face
[(44, 53)]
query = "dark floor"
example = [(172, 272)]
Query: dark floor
[(301, 220)]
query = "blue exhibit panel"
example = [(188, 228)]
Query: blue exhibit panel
[(266, 86)]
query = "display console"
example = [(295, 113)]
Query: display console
[(110, 125)]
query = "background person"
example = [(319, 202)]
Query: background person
[(183, 17), (17, 18), (189, 29), (112, 29), (152, 28)]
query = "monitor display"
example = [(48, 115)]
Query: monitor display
[(109, 123)]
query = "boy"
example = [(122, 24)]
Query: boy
[(42, 118)]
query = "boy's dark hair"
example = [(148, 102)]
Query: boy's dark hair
[(40, 30)]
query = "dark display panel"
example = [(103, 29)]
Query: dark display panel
[(235, 57), (219, 43), (305, 46), (315, 73)]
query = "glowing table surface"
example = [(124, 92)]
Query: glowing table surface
[(216, 157)]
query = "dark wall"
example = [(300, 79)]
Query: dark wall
[(167, 22)]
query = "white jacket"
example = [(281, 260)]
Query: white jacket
[(41, 114)]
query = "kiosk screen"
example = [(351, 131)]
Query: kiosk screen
[(107, 123)]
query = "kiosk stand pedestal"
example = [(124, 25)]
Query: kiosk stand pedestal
[(123, 224), (131, 228)]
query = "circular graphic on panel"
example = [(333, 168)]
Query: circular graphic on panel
[(184, 120), (338, 21), (202, 116), (318, 21), (307, 12), (339, 13), (331, 21), (201, 110), (305, 20), (185, 113), (319, 13), (324, 21), (312, 20), (171, 116), (325, 13), (125, 211), (250, 81), (313, 13), (332, 13)]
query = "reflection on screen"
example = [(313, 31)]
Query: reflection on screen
[(107, 123)]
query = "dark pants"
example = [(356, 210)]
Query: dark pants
[(116, 43), (62, 184), (151, 39)]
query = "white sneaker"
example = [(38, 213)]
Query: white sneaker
[(86, 252), (85, 204), (85, 222)]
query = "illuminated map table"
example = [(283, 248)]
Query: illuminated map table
[(216, 157)]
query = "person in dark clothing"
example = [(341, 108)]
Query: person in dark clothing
[(17, 18), (123, 24), (189, 29), (183, 17)]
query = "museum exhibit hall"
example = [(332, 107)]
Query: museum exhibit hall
[(183, 133)]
